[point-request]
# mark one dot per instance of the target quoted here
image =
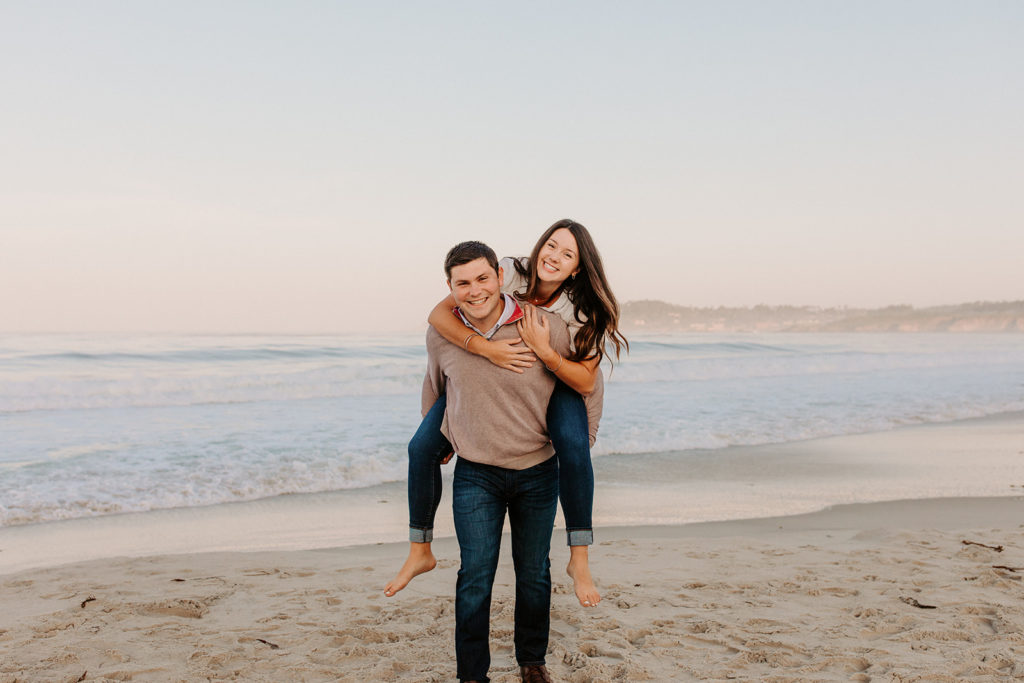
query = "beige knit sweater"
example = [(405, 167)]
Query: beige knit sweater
[(495, 416)]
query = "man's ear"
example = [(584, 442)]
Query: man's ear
[(501, 276), (449, 283)]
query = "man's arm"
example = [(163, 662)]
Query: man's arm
[(434, 381)]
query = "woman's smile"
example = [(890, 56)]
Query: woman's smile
[(558, 259)]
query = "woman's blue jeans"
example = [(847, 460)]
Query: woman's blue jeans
[(568, 428)]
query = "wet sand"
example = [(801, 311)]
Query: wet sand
[(880, 591)]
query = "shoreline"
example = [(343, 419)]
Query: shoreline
[(824, 596), (667, 489)]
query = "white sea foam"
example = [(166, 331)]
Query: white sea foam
[(95, 425)]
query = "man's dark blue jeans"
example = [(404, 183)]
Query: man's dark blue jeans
[(481, 494)]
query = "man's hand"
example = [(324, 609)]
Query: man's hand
[(509, 354)]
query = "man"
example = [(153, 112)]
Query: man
[(495, 420)]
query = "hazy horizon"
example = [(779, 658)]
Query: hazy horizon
[(240, 168), (422, 325)]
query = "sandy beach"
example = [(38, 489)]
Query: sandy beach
[(905, 591), (780, 235)]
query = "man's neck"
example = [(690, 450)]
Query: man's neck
[(486, 324)]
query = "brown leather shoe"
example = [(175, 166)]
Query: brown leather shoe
[(535, 673)]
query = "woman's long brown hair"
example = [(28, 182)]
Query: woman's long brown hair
[(589, 293)]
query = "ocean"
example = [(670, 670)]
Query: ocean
[(95, 425)]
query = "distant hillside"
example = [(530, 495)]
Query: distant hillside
[(658, 316)]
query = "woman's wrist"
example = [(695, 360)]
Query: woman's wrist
[(552, 359), (554, 370), (470, 339)]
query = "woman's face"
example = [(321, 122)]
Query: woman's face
[(558, 258)]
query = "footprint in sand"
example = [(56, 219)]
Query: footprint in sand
[(636, 637), (715, 644), (705, 627), (837, 591), (193, 609), (972, 609), (848, 664), (988, 625), (575, 660), (768, 626)]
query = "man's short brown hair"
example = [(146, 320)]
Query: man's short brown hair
[(464, 252)]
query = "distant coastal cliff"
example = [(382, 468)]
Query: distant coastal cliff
[(658, 316)]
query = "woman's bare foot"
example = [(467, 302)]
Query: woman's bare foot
[(420, 560), (582, 581)]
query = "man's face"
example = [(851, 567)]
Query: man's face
[(477, 291)]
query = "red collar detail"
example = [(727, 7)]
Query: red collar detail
[(517, 312)]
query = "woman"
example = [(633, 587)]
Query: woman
[(563, 275)]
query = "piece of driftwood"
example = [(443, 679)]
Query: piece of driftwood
[(273, 646), (87, 601), (1009, 569), (997, 548), (914, 603)]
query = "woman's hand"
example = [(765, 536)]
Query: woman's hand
[(509, 354), (535, 333)]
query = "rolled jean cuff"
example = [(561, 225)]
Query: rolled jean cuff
[(421, 535), (579, 536)]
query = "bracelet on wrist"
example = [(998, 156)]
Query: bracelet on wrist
[(557, 367), (465, 344)]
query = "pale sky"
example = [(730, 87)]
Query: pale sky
[(304, 166)]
